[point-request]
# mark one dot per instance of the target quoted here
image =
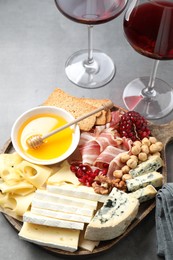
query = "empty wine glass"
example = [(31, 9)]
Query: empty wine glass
[(148, 27), (90, 68)]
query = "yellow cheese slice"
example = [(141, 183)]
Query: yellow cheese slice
[(64, 175), (35, 174), (9, 160), (22, 188), (18, 204), (11, 175), (11, 213), (60, 238)]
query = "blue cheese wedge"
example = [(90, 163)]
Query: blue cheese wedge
[(113, 218), (144, 194), (59, 238), (153, 178), (151, 165)]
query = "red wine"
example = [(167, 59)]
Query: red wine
[(149, 29), (91, 11)]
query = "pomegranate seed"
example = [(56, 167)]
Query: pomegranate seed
[(96, 172)]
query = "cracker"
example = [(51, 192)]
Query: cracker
[(76, 106)]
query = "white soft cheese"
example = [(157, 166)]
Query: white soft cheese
[(57, 198), (42, 204), (61, 215), (52, 222), (79, 191), (59, 238), (113, 218)]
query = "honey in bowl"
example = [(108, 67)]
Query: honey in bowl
[(54, 146)]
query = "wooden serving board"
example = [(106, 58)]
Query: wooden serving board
[(163, 133)]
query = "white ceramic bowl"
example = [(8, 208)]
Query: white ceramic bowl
[(43, 110)]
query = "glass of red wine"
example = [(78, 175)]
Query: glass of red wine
[(148, 27), (90, 68)]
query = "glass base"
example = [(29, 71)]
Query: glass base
[(90, 75), (154, 106)]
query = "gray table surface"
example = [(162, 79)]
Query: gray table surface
[(35, 41)]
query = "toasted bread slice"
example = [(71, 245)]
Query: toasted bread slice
[(76, 106)]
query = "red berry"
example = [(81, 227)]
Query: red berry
[(85, 174), (134, 126)]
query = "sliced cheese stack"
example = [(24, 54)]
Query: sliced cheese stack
[(59, 210), (56, 211), (18, 181), (113, 218)]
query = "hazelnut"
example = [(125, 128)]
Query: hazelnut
[(146, 141), (145, 149), (118, 174), (153, 148), (152, 139), (124, 157), (132, 163), (134, 157), (125, 169), (142, 157), (126, 177), (159, 146), (138, 143), (136, 149)]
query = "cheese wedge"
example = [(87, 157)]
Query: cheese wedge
[(144, 194), (113, 218), (153, 178), (151, 165), (52, 222), (59, 238)]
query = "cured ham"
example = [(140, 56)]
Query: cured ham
[(103, 146), (107, 155), (90, 151)]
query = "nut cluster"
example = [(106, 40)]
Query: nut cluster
[(103, 185), (140, 152)]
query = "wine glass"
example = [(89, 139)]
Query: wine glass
[(90, 68), (148, 27)]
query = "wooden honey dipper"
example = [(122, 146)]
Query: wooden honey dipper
[(35, 141)]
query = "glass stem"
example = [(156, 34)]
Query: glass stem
[(149, 90), (90, 44)]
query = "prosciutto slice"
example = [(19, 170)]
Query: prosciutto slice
[(107, 155), (90, 151)]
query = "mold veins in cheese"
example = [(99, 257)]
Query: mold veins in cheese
[(151, 165), (113, 218)]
